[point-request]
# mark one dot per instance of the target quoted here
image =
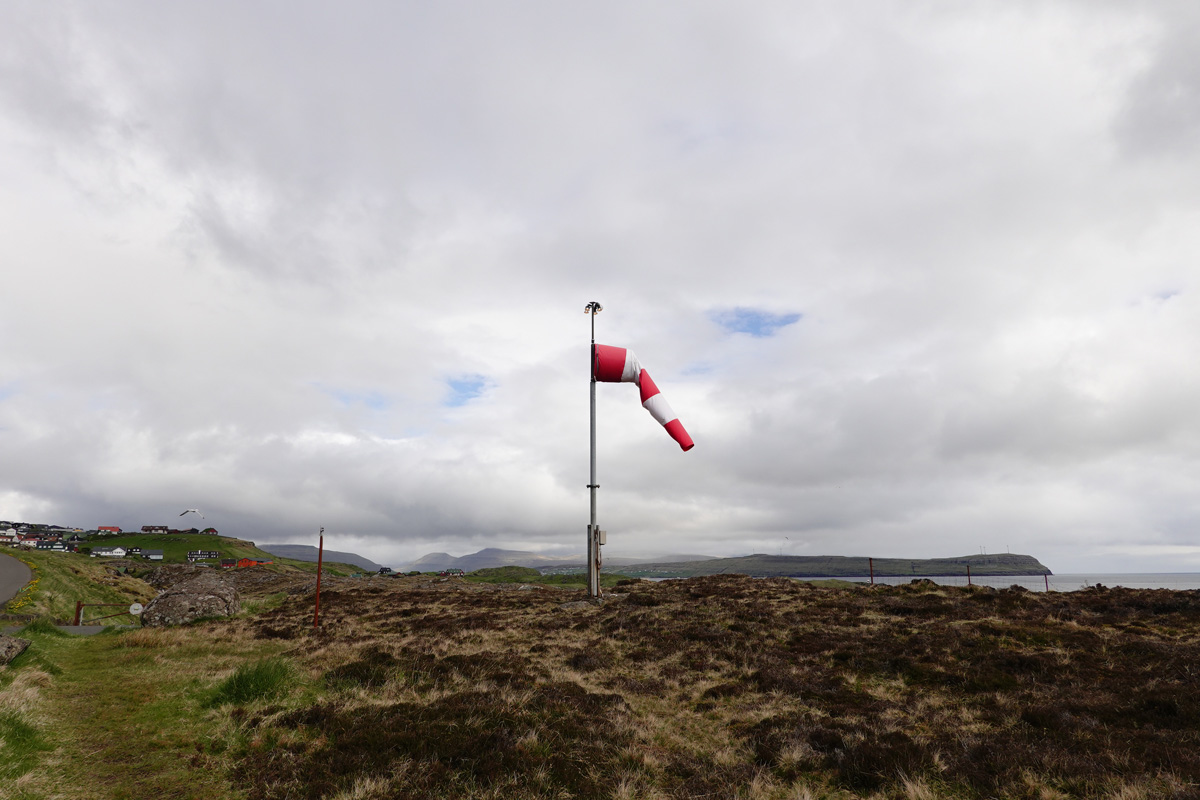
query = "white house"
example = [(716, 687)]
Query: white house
[(109, 552)]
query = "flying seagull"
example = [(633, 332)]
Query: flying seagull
[(193, 511)]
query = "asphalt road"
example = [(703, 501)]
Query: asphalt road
[(13, 575)]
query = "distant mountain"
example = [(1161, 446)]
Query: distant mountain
[(306, 552), (495, 557), (430, 562), (488, 557), (761, 565)]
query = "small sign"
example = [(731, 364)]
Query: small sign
[(135, 609)]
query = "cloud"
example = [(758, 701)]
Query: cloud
[(917, 280)]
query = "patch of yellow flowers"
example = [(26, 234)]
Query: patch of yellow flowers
[(25, 596)]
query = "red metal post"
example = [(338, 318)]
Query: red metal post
[(871, 565), (320, 556), (1047, 577), (78, 612)]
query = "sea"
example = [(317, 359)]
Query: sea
[(1059, 583)]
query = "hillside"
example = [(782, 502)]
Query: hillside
[(492, 557), (488, 558), (308, 553), (175, 547), (765, 566), (62, 579)]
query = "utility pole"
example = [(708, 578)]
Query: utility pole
[(593, 532), (320, 557)]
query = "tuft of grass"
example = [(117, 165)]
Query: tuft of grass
[(43, 626), (258, 605), (262, 679), (20, 743)]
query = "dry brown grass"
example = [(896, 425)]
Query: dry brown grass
[(727, 687), (719, 687)]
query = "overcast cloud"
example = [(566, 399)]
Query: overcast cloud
[(919, 278)]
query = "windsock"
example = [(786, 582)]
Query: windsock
[(618, 365)]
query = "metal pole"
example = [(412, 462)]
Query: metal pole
[(320, 556), (593, 309)]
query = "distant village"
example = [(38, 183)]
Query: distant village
[(33, 536)]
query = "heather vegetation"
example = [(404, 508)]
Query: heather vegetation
[(721, 687), (576, 580)]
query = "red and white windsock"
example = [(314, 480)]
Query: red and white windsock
[(618, 365)]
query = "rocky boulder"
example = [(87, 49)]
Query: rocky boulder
[(11, 647), (166, 575), (208, 594)]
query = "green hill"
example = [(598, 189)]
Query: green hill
[(175, 547)]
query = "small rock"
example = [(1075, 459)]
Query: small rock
[(576, 605), (11, 647)]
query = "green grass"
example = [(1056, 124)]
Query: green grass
[(175, 547), (20, 744), (334, 568), (135, 702), (263, 679), (62, 579), (257, 605), (44, 626)]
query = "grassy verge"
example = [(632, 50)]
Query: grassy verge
[(62, 579), (156, 710)]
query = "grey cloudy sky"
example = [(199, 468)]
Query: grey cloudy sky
[(919, 277)]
